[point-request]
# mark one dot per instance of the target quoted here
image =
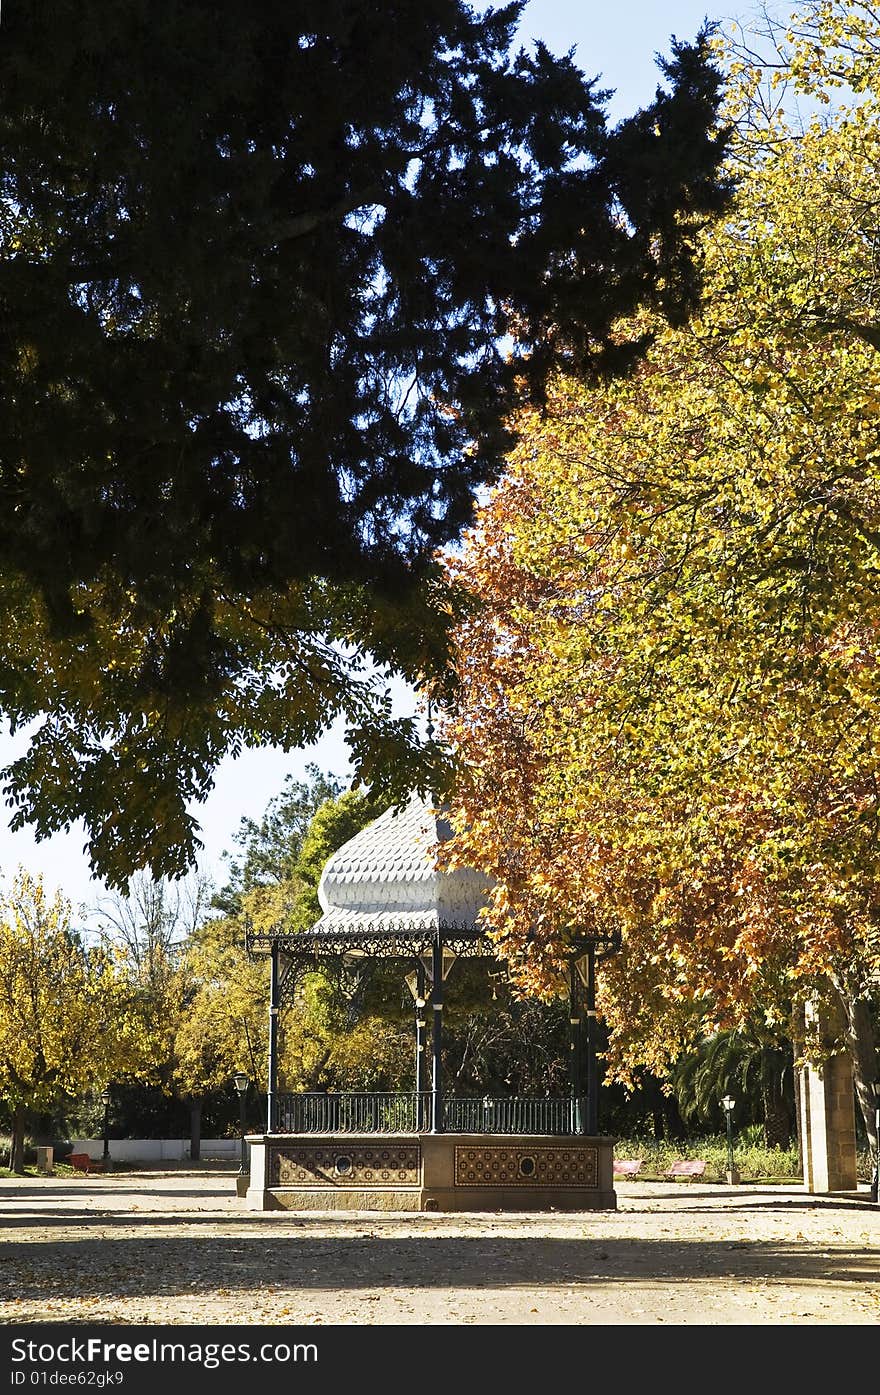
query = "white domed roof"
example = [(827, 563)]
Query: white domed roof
[(386, 877)]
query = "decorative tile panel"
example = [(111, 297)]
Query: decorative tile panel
[(335, 1164), (522, 1166)]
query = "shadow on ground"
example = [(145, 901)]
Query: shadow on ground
[(154, 1265)]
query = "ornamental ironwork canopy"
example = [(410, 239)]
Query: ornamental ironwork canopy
[(383, 895)]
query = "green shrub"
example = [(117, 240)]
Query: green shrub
[(754, 1161)]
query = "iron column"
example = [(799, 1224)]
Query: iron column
[(574, 1048), (420, 1041), (437, 1038), (273, 1040), (592, 1119)]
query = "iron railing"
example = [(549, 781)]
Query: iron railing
[(512, 1114), (397, 1113), (353, 1113)]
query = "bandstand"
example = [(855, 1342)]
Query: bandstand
[(384, 897)]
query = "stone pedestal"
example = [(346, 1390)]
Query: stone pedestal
[(430, 1172)]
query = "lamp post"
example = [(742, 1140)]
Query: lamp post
[(875, 1180), (584, 1026), (105, 1100), (415, 982), (727, 1104), (241, 1083)]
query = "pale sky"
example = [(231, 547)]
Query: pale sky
[(615, 40)]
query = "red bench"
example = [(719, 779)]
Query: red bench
[(84, 1163), (627, 1167), (686, 1167)]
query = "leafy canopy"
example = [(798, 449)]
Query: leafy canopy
[(669, 688), (258, 267)]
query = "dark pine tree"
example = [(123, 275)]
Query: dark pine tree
[(260, 270)]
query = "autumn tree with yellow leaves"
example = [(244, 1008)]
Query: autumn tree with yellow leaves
[(669, 686), (325, 1039), (66, 1020), (147, 930)]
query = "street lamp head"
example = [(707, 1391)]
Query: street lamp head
[(105, 1095), (241, 1081), (728, 1103), (448, 959)]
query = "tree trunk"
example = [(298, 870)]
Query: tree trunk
[(195, 1129), (655, 1103), (777, 1122), (777, 1115), (42, 1128), (675, 1126), (861, 1037), (16, 1151), (312, 1081)]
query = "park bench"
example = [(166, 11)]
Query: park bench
[(686, 1167), (84, 1163), (627, 1167)]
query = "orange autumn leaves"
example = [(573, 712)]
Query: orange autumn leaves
[(667, 714)]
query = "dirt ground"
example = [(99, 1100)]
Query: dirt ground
[(179, 1247)]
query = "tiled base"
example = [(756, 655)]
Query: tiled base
[(430, 1172)]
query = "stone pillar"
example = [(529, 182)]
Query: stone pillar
[(828, 1121)]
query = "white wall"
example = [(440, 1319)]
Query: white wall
[(157, 1149)]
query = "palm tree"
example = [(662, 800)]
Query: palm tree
[(756, 1069)]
